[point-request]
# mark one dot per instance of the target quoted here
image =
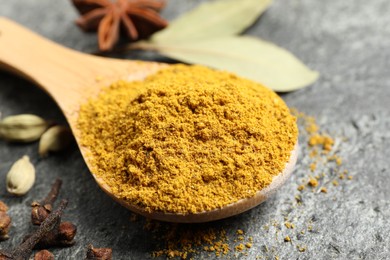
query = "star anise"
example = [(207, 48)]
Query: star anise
[(137, 18)]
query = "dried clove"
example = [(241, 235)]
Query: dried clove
[(5, 221), (98, 253), (24, 250), (44, 255), (40, 210), (5, 224), (62, 236)]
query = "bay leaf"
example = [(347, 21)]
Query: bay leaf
[(246, 56), (213, 19)]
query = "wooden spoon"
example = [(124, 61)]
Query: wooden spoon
[(71, 77)]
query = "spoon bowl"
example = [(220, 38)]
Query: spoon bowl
[(71, 78)]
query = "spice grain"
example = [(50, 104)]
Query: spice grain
[(22, 128), (21, 177), (55, 139)]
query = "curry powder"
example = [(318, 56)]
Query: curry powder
[(187, 139)]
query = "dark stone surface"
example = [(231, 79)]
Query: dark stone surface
[(346, 41)]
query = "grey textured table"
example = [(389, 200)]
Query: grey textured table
[(347, 41)]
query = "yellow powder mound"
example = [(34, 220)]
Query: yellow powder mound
[(187, 139)]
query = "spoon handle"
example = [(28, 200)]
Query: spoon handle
[(37, 58), (65, 74), (70, 77)]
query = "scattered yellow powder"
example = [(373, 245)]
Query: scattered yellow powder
[(182, 241), (248, 245), (350, 177), (313, 153), (313, 167), (336, 158), (289, 225), (313, 182), (275, 223), (240, 247), (324, 140), (321, 151), (315, 138), (311, 126), (187, 139), (339, 161), (239, 232)]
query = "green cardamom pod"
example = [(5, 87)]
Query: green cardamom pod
[(21, 177), (55, 139), (22, 128)]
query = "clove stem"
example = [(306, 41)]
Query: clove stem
[(55, 190)]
